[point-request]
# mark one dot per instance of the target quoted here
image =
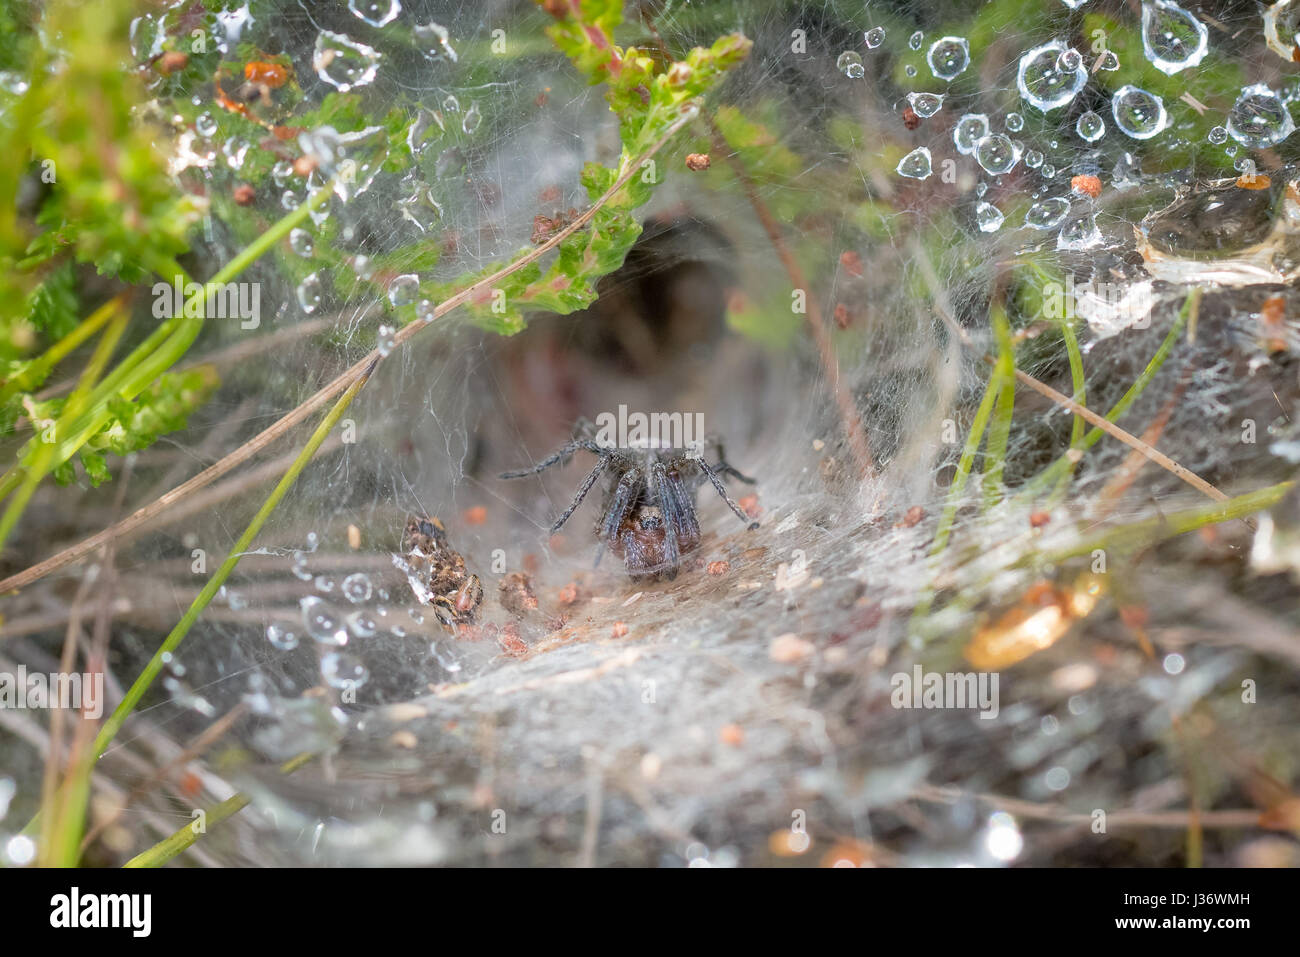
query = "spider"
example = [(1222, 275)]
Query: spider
[(648, 515)]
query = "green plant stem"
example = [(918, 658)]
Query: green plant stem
[(163, 347), (169, 847), (178, 633), (1000, 431), (1063, 465), (37, 369), (45, 451), (967, 459), (1141, 534)]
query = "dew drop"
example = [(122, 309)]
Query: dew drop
[(874, 37), (1090, 127), (925, 104), (988, 218), (280, 638), (914, 41), (1108, 61), (321, 622), (969, 130), (344, 63), (205, 125), (1047, 213), (850, 64), (403, 290), (1015, 122), (357, 588), (309, 293), (434, 41), (471, 120), (1033, 159), (1259, 119), (996, 154), (377, 13), (342, 670), (425, 311), (1218, 136), (1137, 113), (948, 57), (916, 164), (361, 625), (385, 340), (300, 242), (1042, 82), (1172, 37), (235, 150), (1079, 233)]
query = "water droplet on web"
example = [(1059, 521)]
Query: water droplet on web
[(280, 638), (1048, 213), (280, 172), (1033, 159), (850, 64), (1079, 233), (1172, 37), (309, 293), (948, 57), (910, 70), (1138, 113), (377, 13), (385, 341), (916, 164), (1049, 171), (357, 587), (1108, 61), (344, 63), (300, 242), (1015, 122), (451, 104), (1259, 119), (1041, 81), (1127, 172), (235, 150), (996, 154), (925, 104), (1069, 60), (434, 41), (361, 625), (403, 290), (1218, 136), (874, 37), (425, 311), (342, 670), (1090, 127), (914, 41), (321, 622), (324, 583), (290, 200), (969, 130), (415, 615), (988, 218), (470, 122), (362, 266)]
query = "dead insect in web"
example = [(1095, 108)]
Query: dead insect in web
[(437, 572), (648, 514)]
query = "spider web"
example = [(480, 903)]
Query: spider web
[(690, 721)]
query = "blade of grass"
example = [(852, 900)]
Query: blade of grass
[(178, 633)]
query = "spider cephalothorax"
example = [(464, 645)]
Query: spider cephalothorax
[(648, 514)]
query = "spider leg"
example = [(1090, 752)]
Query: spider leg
[(670, 508), (583, 489), (723, 468), (722, 490), (684, 505), (564, 452), (623, 498)]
